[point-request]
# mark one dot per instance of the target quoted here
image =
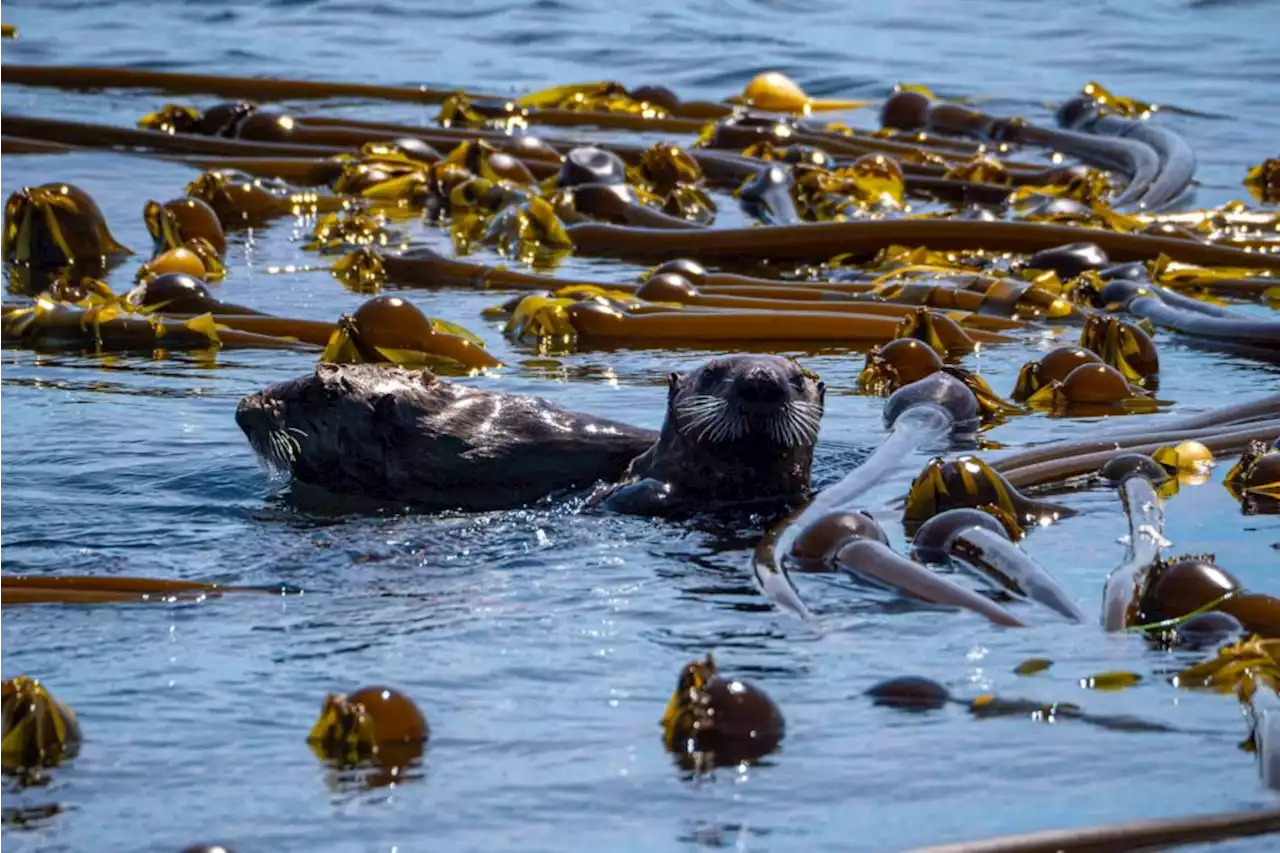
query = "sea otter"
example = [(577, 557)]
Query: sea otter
[(407, 437), (738, 429)]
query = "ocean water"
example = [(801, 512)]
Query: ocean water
[(542, 644)]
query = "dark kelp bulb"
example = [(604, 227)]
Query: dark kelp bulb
[(590, 165), (691, 271), (818, 541), (1070, 260), (667, 287), (178, 221), (897, 363), (905, 110), (1053, 366), (1207, 630), (910, 693), (1181, 585), (55, 225), (714, 721), (372, 723), (1122, 466), (932, 540)]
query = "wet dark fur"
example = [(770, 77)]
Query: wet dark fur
[(690, 467), (407, 437)]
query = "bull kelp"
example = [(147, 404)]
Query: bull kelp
[(1044, 485)]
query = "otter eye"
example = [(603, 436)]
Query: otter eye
[(713, 374)]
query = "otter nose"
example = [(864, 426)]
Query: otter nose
[(256, 415), (759, 387)]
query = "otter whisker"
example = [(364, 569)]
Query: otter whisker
[(702, 413), (276, 450), (794, 424), (700, 420), (730, 424)]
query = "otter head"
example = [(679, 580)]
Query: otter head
[(738, 429), (758, 403), (338, 415)]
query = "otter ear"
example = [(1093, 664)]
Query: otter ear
[(673, 387)]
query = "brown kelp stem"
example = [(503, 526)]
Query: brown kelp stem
[(254, 88), (1218, 420), (822, 240), (89, 589), (1044, 473), (1126, 837)]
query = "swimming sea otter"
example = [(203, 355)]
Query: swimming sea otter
[(738, 430)]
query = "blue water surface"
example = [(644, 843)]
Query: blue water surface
[(543, 644)]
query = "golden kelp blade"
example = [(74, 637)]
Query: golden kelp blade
[(343, 732), (1089, 189), (1110, 102), (589, 291), (1031, 666), (1176, 274), (38, 729), (539, 318), (171, 118), (558, 95), (982, 168), (1234, 665), (1123, 346), (361, 271), (918, 88), (1263, 181), (693, 678), (939, 332), (1110, 681)]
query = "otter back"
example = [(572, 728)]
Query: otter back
[(407, 437)]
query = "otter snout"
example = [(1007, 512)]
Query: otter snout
[(759, 390), (256, 415), (261, 418)]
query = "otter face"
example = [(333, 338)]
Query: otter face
[(263, 419), (311, 409), (747, 398)]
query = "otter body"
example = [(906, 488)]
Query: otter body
[(407, 437)]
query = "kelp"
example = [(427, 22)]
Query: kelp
[(1263, 181), (377, 725), (774, 91), (713, 721), (390, 330), (106, 589), (39, 731), (970, 482), (58, 225)]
